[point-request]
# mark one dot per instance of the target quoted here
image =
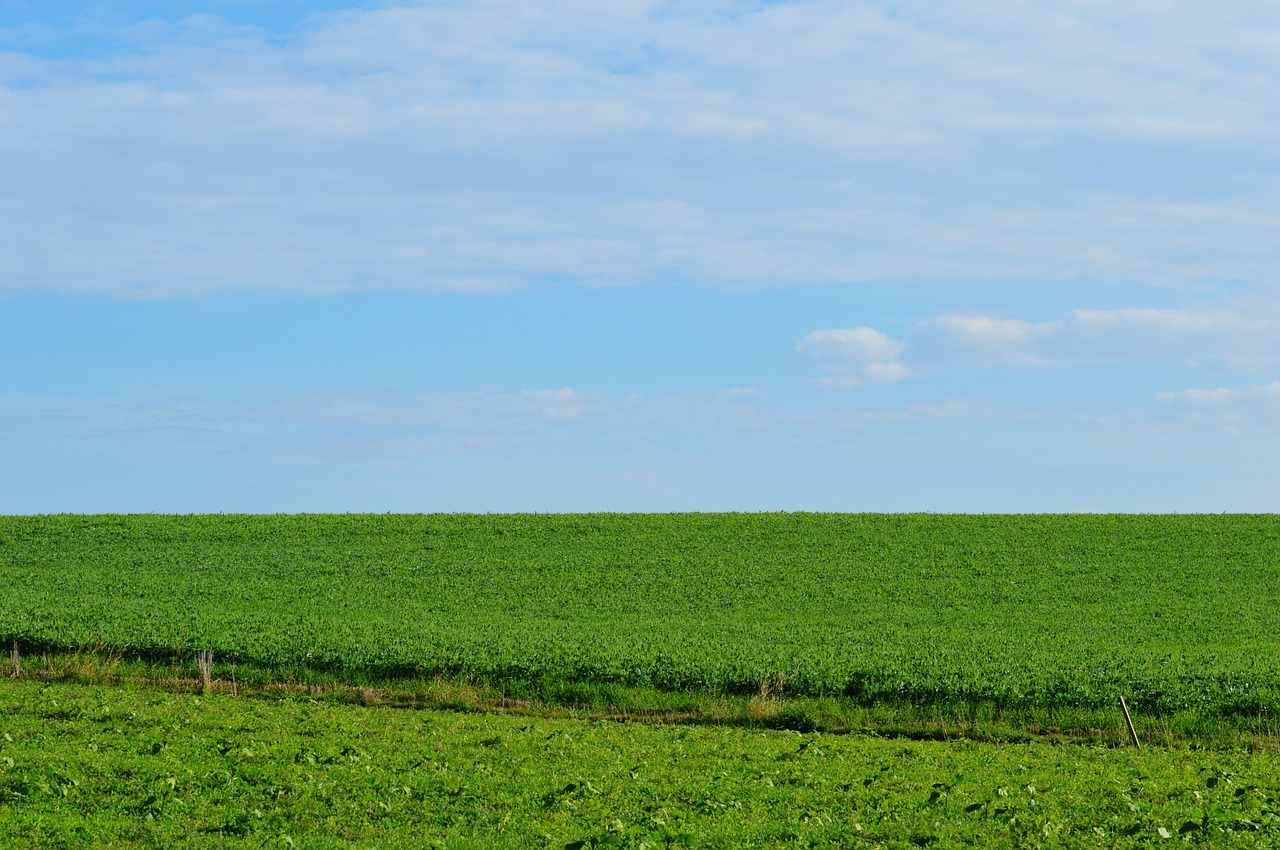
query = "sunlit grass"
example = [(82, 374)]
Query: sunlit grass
[(129, 765)]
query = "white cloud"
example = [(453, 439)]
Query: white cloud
[(1220, 395), (980, 341), (1242, 337), (490, 145), (1253, 409), (853, 356)]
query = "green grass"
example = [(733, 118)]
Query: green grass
[(1103, 726), (134, 766), (1029, 614), (640, 681)]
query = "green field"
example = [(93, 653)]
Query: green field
[(723, 637), (1180, 614), (126, 766)]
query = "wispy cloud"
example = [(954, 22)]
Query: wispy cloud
[(484, 419), (1253, 408), (480, 409), (853, 356), (1236, 338), (488, 449), (483, 146), (482, 422)]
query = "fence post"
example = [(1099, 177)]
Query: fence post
[(1133, 734)]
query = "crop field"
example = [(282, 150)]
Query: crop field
[(737, 632), (1021, 612), (137, 767)]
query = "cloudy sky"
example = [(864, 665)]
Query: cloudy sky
[(273, 255)]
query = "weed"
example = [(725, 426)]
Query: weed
[(204, 666)]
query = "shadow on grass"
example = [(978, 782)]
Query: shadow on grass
[(770, 708)]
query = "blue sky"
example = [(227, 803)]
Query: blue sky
[(266, 255)]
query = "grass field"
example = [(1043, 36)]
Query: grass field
[(1180, 614), (640, 681), (89, 766)]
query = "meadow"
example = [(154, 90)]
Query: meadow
[(1179, 614), (639, 681), (128, 766)]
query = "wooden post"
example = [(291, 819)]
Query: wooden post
[(204, 664), (1129, 721)]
